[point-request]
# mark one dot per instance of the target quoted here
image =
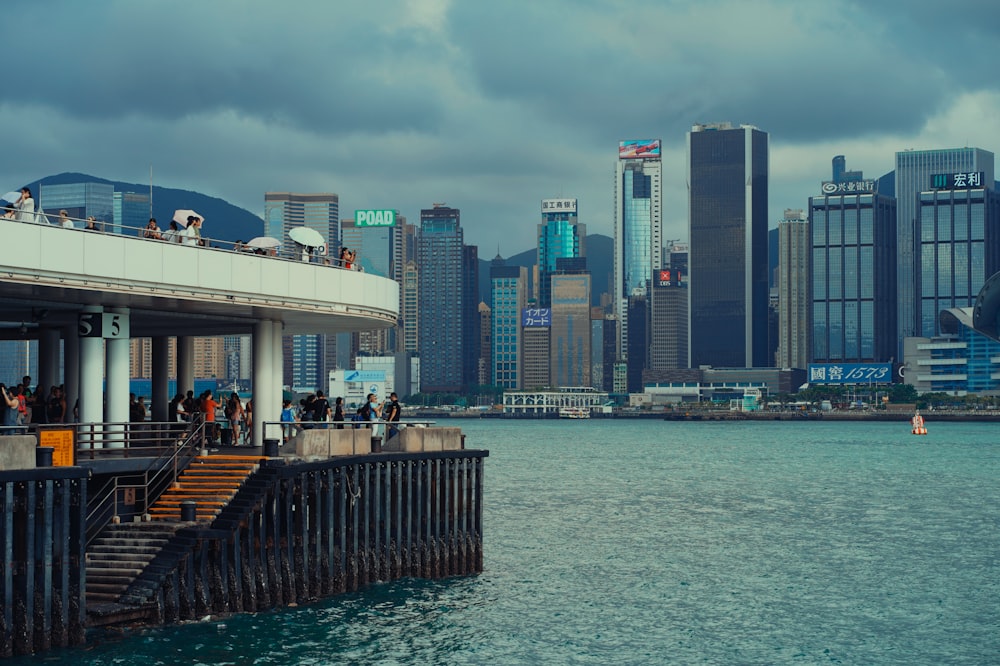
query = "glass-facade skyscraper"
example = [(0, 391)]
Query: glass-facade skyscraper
[(308, 359), (80, 201), (510, 286), (914, 169), (379, 251), (569, 335), (132, 211), (638, 226), (959, 241), (853, 276), (559, 236), (447, 363), (727, 263)]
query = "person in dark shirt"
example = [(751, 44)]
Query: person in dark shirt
[(321, 409), (391, 413), (338, 412)]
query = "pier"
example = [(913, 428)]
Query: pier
[(290, 530)]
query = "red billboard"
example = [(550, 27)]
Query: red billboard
[(637, 150)]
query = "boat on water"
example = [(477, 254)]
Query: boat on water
[(574, 413), (917, 426)]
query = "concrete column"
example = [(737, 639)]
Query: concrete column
[(185, 364), (160, 394), (91, 372), (48, 358), (263, 376), (277, 379), (71, 365), (116, 336)]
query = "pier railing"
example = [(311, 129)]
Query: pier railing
[(147, 487)]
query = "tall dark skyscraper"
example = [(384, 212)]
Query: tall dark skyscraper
[(727, 263), (447, 295), (559, 236)]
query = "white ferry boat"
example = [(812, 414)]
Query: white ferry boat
[(574, 413)]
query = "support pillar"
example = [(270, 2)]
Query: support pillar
[(116, 334), (160, 393), (273, 411), (91, 372), (71, 365), (263, 376), (185, 364), (48, 358)]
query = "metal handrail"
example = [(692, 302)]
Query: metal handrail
[(160, 474)]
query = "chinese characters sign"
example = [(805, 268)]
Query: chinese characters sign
[(958, 181), (558, 205), (536, 317), (850, 373), (853, 187)]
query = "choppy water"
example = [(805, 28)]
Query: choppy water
[(647, 542)]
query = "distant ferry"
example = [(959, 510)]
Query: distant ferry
[(574, 413)]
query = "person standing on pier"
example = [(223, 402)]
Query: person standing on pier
[(392, 412), (208, 408), (234, 413), (372, 413), (321, 409), (338, 413)]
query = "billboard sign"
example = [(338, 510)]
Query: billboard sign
[(558, 205), (958, 181), (637, 150), (374, 218), (852, 187), (364, 376), (850, 373), (536, 317)]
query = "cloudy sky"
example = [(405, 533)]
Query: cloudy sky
[(486, 106)]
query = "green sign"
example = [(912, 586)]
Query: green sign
[(374, 218)]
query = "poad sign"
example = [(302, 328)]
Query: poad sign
[(374, 218)]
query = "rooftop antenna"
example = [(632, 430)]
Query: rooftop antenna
[(151, 190)]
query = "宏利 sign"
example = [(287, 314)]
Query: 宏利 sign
[(852, 187), (850, 373), (374, 218), (958, 181)]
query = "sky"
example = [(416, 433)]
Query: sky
[(488, 107)]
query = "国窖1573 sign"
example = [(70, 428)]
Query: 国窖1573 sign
[(374, 218), (850, 373)]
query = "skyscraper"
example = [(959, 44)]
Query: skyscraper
[(638, 226), (959, 241), (914, 169), (853, 274), (794, 294), (559, 236), (308, 359), (80, 200), (727, 228), (447, 303), (570, 331), (510, 296)]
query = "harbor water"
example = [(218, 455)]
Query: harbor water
[(652, 542)]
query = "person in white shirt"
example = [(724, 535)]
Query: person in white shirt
[(25, 206), (64, 220), (192, 234)]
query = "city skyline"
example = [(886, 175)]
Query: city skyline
[(489, 108)]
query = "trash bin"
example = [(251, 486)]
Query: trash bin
[(271, 448), (376, 444), (188, 511), (43, 456)]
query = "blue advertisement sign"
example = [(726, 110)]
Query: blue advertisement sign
[(850, 373), (364, 376), (536, 317)]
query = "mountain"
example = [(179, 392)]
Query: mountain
[(223, 220), (600, 250)]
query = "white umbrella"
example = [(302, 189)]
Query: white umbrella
[(11, 196), (181, 217), (306, 236), (263, 242)]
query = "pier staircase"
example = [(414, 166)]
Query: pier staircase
[(119, 554), (208, 481)]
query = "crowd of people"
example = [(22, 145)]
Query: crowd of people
[(315, 411), (23, 405)]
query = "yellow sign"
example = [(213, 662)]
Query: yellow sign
[(62, 442)]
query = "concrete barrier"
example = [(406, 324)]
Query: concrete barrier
[(17, 451), (323, 442)]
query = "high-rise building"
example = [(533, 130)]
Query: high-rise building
[(794, 293), (308, 359), (17, 359), (959, 244), (132, 211), (379, 250), (446, 303), (409, 312), (727, 229), (569, 341), (535, 324), (914, 169), (510, 296), (559, 236), (80, 201), (668, 343), (638, 226), (853, 274)]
